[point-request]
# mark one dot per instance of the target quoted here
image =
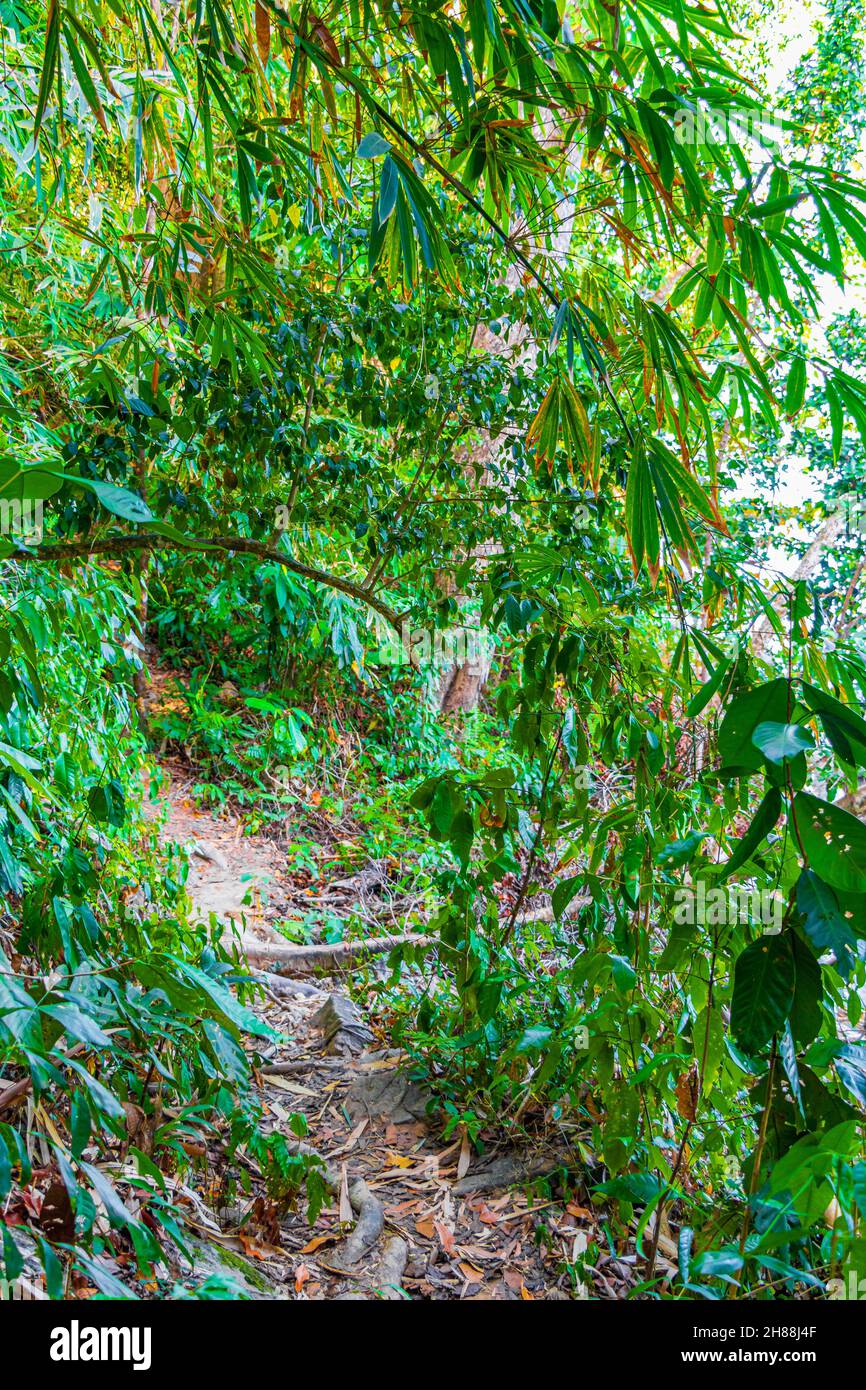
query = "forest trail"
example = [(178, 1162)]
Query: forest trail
[(432, 1219)]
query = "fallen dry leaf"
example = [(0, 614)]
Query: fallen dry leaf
[(465, 1158), (396, 1160), (282, 1084), (317, 1242), (446, 1237), (257, 1251)]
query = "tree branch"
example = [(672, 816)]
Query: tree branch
[(117, 545)]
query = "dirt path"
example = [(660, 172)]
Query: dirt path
[(413, 1215)]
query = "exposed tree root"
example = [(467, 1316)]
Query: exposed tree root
[(344, 953)]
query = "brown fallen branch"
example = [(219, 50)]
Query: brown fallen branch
[(331, 953), (298, 1068), (117, 545)]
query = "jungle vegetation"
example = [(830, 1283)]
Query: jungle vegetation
[(328, 323)]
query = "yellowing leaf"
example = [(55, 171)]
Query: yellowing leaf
[(396, 1160)]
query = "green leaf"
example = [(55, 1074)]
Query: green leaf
[(624, 976), (85, 81), (118, 500), (461, 835), (371, 145), (806, 1013), (228, 1053), (822, 703), (748, 710), (833, 840), (764, 981), (763, 821), (49, 62), (77, 1025), (118, 1214), (489, 995), (850, 1066), (224, 1001), (22, 483), (13, 1260), (564, 892), (845, 729), (780, 743), (824, 922), (679, 852), (718, 1264), (685, 1241), (107, 1283), (534, 1038), (53, 1269), (103, 1098), (788, 1054), (80, 1123), (107, 804), (709, 688), (388, 187), (795, 387), (708, 1040), (640, 513)]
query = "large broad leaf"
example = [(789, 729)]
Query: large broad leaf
[(844, 727), (19, 1013), (806, 1012), (850, 1065), (28, 482), (780, 743), (107, 803), (764, 982), (118, 500), (842, 740), (823, 921), (853, 907), (834, 842), (763, 821), (766, 703)]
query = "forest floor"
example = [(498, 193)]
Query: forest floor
[(411, 1215)]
